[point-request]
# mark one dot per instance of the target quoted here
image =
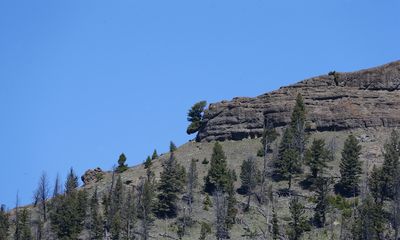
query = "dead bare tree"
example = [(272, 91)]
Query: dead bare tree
[(269, 136), (220, 214), (42, 195)]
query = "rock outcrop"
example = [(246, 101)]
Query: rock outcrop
[(334, 102), (92, 175)]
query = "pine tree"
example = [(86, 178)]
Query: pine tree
[(288, 162), (298, 126), (147, 165), (218, 174), (350, 167), (154, 155), (4, 223), (250, 177), (390, 166), (369, 220), (298, 223), (292, 145), (195, 117), (172, 147), (376, 184), (95, 219), (171, 183), (231, 210), (275, 225), (24, 225), (291, 165), (57, 186), (69, 210), (122, 167), (71, 183), (322, 205), (317, 157)]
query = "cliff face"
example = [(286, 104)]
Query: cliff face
[(337, 101)]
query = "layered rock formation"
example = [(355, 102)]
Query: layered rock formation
[(334, 102)]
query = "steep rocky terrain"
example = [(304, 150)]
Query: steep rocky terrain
[(337, 101), (365, 103)]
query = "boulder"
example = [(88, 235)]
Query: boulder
[(92, 175)]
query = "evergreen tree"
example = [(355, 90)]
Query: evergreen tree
[(369, 221), (350, 167), (24, 225), (390, 166), (317, 157), (4, 223), (95, 219), (298, 223), (275, 225), (69, 210), (71, 183), (122, 167), (57, 186), (218, 174), (292, 145), (171, 183), (250, 178), (195, 117), (147, 165), (322, 201), (231, 210), (298, 126), (288, 162), (154, 155), (172, 147), (291, 165), (376, 184)]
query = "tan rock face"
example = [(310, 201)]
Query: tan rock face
[(335, 102)]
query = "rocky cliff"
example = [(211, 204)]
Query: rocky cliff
[(334, 102)]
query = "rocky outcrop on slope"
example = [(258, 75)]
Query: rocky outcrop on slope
[(337, 101), (92, 175)]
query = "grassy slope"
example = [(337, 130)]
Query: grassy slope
[(236, 151)]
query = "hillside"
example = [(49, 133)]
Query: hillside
[(365, 103)]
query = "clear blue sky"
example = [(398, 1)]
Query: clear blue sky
[(83, 81)]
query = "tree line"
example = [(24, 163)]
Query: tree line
[(368, 207)]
